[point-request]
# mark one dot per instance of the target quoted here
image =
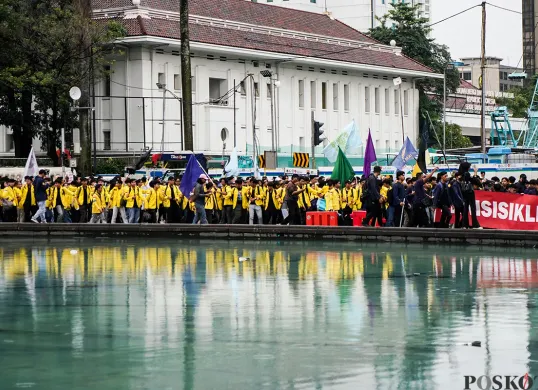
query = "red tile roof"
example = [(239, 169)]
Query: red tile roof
[(262, 15)]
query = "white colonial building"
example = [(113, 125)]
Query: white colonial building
[(318, 64)]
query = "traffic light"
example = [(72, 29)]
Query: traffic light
[(318, 133)]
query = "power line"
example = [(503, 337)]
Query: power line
[(505, 9), (452, 16)]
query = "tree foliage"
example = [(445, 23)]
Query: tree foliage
[(454, 137), (44, 57), (519, 105), (404, 25)]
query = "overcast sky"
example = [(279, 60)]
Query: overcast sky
[(462, 33)]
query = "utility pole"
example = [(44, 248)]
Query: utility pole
[(313, 150), (186, 80), (483, 75)]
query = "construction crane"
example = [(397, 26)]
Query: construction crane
[(501, 130), (530, 135)]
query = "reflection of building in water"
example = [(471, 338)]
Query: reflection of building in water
[(355, 306)]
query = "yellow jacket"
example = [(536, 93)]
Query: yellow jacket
[(211, 200), (172, 192), (227, 196), (25, 191), (358, 203), (313, 191), (115, 196), (332, 200), (276, 199), (234, 194), (245, 193), (349, 197), (131, 195), (10, 194), (80, 194), (98, 202), (257, 192), (66, 197), (153, 199), (304, 199)]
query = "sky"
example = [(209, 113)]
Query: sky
[(462, 33)]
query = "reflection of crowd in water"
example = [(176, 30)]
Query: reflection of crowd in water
[(404, 201)]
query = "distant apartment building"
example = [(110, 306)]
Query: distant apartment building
[(496, 74), (359, 14), (530, 25)]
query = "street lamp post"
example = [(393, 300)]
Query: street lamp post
[(449, 66)]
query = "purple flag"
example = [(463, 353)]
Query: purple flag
[(369, 156)]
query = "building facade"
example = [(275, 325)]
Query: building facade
[(530, 26), (359, 14), (318, 66), (496, 74)]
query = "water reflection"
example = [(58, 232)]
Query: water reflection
[(192, 315)]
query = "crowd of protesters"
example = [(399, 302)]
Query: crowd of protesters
[(386, 200)]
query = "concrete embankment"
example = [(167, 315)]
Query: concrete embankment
[(511, 238)]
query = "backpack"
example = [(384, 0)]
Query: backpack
[(467, 187)]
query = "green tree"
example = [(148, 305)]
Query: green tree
[(46, 58), (454, 137), (521, 102), (404, 25)]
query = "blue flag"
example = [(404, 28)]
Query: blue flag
[(192, 173), (406, 153)]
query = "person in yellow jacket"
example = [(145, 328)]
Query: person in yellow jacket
[(61, 200), (98, 205), (332, 197), (171, 201), (304, 199), (225, 191), (211, 205), (235, 196), (9, 196), (27, 201), (20, 205), (349, 196), (84, 199), (256, 200), (133, 201), (152, 201), (116, 202), (273, 205)]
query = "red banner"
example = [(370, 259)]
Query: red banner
[(498, 210)]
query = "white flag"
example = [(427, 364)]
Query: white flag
[(348, 140), (232, 167), (31, 168)]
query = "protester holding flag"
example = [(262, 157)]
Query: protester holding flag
[(373, 199)]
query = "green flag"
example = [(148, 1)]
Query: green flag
[(342, 168)]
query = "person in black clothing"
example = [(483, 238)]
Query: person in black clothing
[(420, 218), (521, 185), (398, 200), (373, 198), (469, 200), (441, 199), (272, 214), (456, 197), (291, 199)]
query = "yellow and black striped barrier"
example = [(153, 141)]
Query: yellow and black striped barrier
[(261, 161), (301, 160)]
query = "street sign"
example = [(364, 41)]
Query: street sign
[(261, 161), (301, 160), (270, 158), (73, 163)]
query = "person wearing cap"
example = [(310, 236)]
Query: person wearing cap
[(199, 195), (441, 199), (394, 215), (40, 194), (97, 205)]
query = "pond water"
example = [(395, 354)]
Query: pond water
[(163, 314)]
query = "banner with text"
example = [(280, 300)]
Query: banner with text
[(497, 210)]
